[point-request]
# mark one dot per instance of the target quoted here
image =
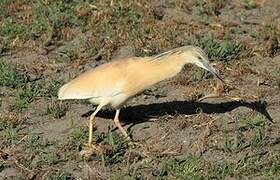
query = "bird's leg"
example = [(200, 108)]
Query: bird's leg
[(117, 123), (90, 127), (91, 121), (91, 149)]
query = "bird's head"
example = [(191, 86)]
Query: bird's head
[(197, 56)]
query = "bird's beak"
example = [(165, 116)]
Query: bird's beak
[(211, 69)]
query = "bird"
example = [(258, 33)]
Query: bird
[(112, 84)]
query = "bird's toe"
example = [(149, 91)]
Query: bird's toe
[(90, 150)]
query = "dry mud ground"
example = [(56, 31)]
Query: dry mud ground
[(46, 43)]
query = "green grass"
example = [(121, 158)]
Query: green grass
[(243, 152), (9, 128), (36, 143), (113, 145), (57, 109), (11, 29), (9, 75), (40, 152), (25, 95), (4, 47), (118, 146), (187, 168), (71, 51), (260, 138), (233, 144), (11, 120), (249, 4), (75, 142), (222, 50), (9, 135), (208, 7), (126, 12), (5, 1), (3, 12), (193, 167), (253, 122), (51, 18), (51, 88), (60, 175)]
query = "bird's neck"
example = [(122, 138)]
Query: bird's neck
[(171, 65)]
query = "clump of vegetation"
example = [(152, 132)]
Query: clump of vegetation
[(77, 140), (9, 76), (60, 175), (187, 168), (114, 153), (114, 25), (10, 29), (192, 167), (233, 144), (113, 145), (40, 153), (9, 134), (260, 137), (253, 122), (236, 142), (4, 47), (71, 51), (35, 143), (26, 94), (11, 120), (52, 88), (223, 50), (249, 4), (9, 128), (57, 109), (29, 92), (52, 19), (209, 7)]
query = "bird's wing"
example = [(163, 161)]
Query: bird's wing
[(104, 81)]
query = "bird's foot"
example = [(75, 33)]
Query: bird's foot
[(133, 144), (89, 150)]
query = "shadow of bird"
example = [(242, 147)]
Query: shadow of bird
[(142, 113)]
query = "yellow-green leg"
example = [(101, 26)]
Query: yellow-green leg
[(118, 124), (92, 148)]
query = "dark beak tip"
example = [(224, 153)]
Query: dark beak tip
[(219, 77)]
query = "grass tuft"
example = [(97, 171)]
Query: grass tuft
[(119, 146), (254, 122), (26, 94), (57, 109), (10, 29), (52, 18), (52, 88), (233, 145), (222, 50), (9, 76), (209, 7), (60, 175), (187, 168)]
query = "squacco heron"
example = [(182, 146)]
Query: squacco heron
[(114, 83)]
